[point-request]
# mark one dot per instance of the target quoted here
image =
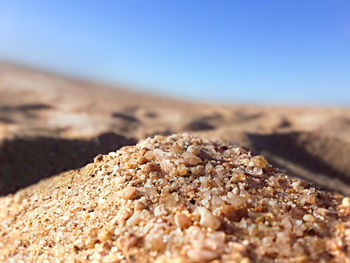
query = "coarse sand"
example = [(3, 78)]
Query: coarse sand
[(178, 199)]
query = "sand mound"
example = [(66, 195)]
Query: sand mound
[(175, 199), (310, 143)]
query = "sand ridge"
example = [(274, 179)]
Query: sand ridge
[(179, 198)]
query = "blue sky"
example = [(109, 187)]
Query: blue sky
[(282, 52)]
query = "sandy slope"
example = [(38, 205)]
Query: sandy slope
[(62, 120), (175, 199)]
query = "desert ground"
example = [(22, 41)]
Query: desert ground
[(51, 123)]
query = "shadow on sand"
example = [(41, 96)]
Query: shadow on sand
[(24, 161), (315, 154)]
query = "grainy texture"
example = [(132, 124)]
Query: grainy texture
[(309, 142), (175, 199)]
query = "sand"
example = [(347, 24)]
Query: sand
[(36, 107), (262, 212), (175, 199)]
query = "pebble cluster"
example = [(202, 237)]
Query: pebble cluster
[(175, 199)]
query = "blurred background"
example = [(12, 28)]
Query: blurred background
[(294, 52), (78, 78)]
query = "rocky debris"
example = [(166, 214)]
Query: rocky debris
[(175, 199)]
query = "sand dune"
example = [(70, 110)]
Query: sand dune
[(37, 107)]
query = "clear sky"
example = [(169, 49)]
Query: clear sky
[(281, 52)]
